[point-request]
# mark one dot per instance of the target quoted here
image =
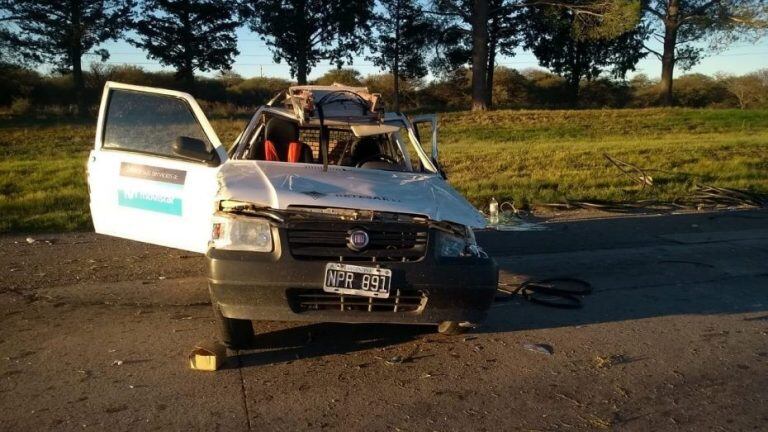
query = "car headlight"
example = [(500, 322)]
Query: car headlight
[(241, 233), (452, 245)]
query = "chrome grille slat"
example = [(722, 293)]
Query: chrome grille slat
[(308, 300), (347, 302), (330, 295)]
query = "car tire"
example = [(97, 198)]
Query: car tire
[(234, 333), (451, 328)]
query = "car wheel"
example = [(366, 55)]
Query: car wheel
[(450, 328), (234, 333)]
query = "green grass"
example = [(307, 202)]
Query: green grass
[(526, 156), (548, 156)]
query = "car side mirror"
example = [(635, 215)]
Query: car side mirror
[(195, 149)]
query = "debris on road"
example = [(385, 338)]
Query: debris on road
[(398, 359), (31, 240), (117, 363), (559, 292), (540, 348), (609, 361), (207, 356)]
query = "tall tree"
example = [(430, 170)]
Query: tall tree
[(10, 54), (455, 40), (561, 45), (479, 18), (304, 32), (403, 34), (189, 35), (685, 28), (479, 23), (61, 33), (503, 38)]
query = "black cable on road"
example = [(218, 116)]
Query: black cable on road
[(561, 293)]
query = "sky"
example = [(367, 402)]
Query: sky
[(255, 59)]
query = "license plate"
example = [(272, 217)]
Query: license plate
[(357, 280)]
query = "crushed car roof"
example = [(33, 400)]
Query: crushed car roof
[(335, 102)]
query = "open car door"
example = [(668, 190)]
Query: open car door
[(425, 128), (152, 172)]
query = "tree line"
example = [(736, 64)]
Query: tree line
[(580, 41), (25, 92)]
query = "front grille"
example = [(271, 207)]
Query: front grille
[(388, 242), (307, 300)]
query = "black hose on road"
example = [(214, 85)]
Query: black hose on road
[(561, 293)]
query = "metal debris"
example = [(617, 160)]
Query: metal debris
[(398, 359), (540, 348), (612, 360)]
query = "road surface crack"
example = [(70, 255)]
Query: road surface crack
[(244, 392)]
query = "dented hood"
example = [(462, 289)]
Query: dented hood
[(280, 185)]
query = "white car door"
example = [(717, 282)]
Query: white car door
[(152, 172), (425, 126)]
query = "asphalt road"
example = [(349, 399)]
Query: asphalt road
[(94, 334)]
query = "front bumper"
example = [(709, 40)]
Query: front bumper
[(277, 287)]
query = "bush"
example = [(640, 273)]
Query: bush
[(255, 91), (346, 76), (224, 110), (547, 90), (450, 93), (17, 82), (511, 89), (700, 91), (20, 106), (750, 91), (384, 84), (644, 92), (605, 93)]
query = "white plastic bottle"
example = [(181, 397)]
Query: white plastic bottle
[(493, 211)]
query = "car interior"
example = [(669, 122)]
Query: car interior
[(285, 141), (281, 143)]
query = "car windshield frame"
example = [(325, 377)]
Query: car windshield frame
[(242, 148)]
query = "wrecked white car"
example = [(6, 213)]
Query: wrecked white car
[(324, 209)]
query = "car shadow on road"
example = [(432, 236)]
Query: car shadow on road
[(323, 339)]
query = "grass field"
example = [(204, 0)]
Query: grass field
[(526, 156), (548, 156)]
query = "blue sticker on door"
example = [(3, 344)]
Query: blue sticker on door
[(151, 201), (151, 188)]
